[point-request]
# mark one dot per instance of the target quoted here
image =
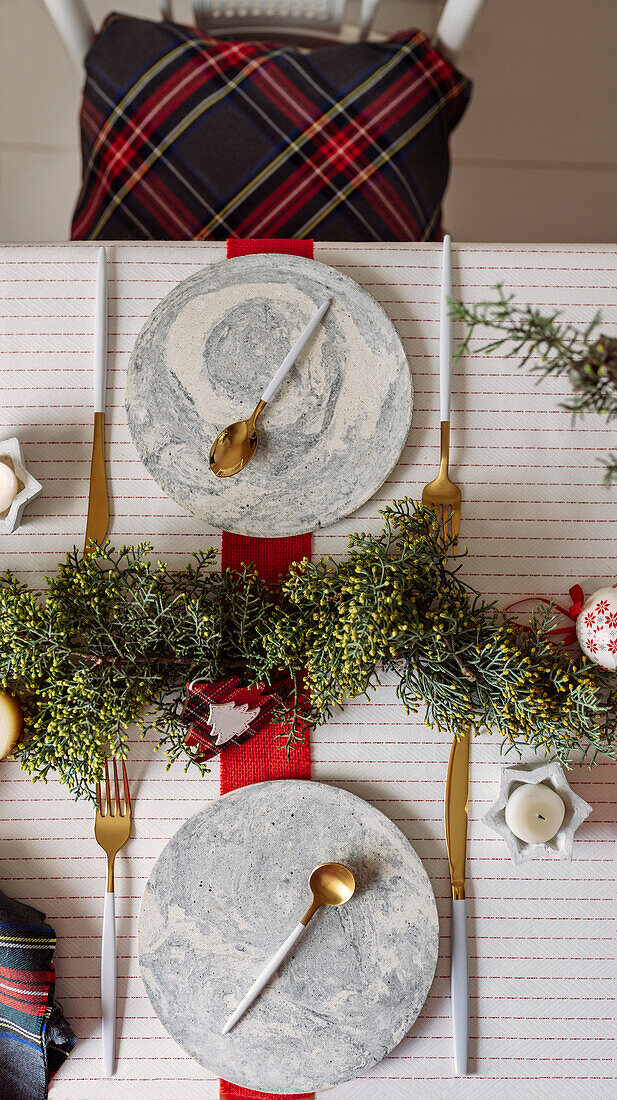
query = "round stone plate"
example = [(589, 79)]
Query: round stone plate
[(231, 885), (330, 436)]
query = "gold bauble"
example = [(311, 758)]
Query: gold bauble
[(11, 723)]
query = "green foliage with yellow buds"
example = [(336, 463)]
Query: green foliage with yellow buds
[(115, 636)]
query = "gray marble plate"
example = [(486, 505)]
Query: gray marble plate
[(228, 889), (330, 436)]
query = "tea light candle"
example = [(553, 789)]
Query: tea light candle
[(11, 722), (9, 486), (534, 812)]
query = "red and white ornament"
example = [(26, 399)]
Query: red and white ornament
[(596, 627)]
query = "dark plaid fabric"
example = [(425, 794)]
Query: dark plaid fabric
[(35, 1038), (188, 137), (196, 713)]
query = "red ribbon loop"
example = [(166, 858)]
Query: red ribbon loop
[(578, 599), (569, 633)]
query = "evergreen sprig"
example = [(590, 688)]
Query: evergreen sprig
[(548, 345), (115, 637)]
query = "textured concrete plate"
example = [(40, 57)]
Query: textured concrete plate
[(330, 436), (228, 889)]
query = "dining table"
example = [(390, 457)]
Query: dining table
[(536, 519)]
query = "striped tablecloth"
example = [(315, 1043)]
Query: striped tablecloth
[(535, 519)]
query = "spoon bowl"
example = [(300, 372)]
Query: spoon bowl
[(235, 446), (332, 884)]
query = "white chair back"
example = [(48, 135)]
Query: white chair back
[(250, 16), (301, 21)]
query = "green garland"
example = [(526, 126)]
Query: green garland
[(114, 638)]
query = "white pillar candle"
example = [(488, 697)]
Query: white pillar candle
[(534, 812), (11, 722), (9, 486)]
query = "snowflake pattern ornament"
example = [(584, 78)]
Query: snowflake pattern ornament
[(224, 713), (596, 628)]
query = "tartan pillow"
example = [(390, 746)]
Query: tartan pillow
[(188, 137)]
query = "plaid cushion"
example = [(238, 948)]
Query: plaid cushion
[(188, 137)]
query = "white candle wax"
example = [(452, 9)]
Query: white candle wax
[(9, 486), (534, 812)]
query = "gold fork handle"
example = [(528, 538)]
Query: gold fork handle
[(110, 874)]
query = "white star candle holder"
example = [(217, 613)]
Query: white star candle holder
[(552, 775), (29, 487)]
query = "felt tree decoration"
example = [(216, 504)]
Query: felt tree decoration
[(223, 713), (229, 720)]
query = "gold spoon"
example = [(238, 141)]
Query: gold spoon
[(235, 446), (331, 884)]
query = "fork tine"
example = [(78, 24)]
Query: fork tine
[(456, 519), (127, 793), (99, 800), (442, 523), (117, 790), (108, 795)]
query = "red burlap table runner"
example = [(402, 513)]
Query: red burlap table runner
[(261, 757)]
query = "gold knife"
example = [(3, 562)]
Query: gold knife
[(456, 815), (98, 500)]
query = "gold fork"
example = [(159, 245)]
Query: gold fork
[(112, 828), (442, 494), (445, 497)]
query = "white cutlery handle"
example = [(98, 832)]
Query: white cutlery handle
[(459, 987), (100, 334), (291, 356), (445, 329), (108, 984), (264, 977)]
